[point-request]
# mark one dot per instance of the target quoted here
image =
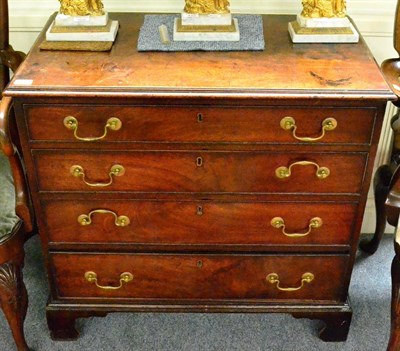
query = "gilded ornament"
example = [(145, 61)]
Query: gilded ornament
[(205, 7), (324, 8), (82, 7)]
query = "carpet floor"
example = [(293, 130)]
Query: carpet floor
[(369, 292)]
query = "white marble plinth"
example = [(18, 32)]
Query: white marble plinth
[(84, 36), (207, 36), (189, 19), (320, 37), (323, 22), (78, 21)]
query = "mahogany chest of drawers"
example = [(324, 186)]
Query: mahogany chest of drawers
[(202, 182)]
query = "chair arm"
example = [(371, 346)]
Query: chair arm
[(391, 67), (22, 196), (391, 70), (11, 58)]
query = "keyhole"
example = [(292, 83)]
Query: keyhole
[(199, 161), (199, 210), (200, 117), (200, 264)]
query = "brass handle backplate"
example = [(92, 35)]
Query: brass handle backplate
[(112, 123), (116, 171), (289, 123), (273, 278), (286, 172), (125, 277), (279, 223), (120, 221)]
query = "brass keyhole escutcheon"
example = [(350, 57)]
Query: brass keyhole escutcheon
[(199, 161), (200, 264), (199, 211), (200, 117)]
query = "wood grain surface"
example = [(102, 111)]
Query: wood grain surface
[(347, 70)]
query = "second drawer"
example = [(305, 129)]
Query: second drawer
[(199, 223), (200, 172)]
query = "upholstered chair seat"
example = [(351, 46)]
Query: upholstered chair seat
[(8, 217)]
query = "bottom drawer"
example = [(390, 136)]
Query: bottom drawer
[(223, 277)]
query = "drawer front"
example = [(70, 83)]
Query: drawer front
[(199, 124), (199, 276), (199, 223), (191, 172)]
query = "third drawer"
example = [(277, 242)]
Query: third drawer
[(167, 223)]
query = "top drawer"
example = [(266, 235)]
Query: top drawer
[(199, 124)]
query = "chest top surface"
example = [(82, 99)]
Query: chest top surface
[(282, 69)]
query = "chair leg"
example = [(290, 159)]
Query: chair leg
[(381, 190), (14, 300)]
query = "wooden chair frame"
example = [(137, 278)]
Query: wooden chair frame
[(384, 174), (392, 205), (13, 294)]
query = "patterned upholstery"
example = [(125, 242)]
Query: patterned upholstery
[(8, 218)]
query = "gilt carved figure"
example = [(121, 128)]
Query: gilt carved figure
[(324, 8), (206, 6), (81, 7)]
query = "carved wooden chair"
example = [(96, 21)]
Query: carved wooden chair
[(15, 217), (384, 174)]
